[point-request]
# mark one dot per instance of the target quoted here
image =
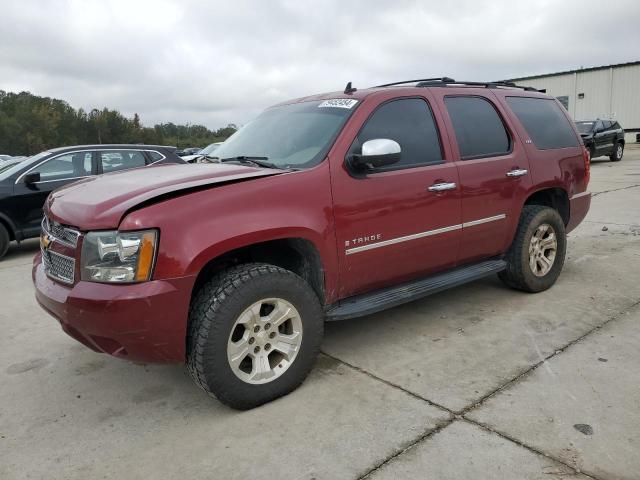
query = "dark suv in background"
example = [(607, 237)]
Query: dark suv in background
[(602, 137), (25, 186)]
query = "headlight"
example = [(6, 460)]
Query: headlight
[(118, 257)]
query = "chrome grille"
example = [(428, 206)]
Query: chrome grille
[(59, 267), (65, 235)]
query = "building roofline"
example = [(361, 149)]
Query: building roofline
[(578, 70)]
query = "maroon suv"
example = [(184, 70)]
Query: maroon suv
[(323, 208)]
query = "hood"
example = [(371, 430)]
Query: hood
[(101, 202)]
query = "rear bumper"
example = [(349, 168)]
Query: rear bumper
[(143, 322), (578, 208)]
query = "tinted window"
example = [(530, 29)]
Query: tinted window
[(121, 160), (544, 121), (585, 127), (607, 124), (478, 127), (155, 156), (71, 165), (410, 123)]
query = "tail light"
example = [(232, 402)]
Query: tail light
[(587, 165)]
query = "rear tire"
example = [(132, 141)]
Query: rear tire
[(237, 336), (536, 256), (617, 153), (5, 239)]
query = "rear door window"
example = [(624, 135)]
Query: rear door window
[(478, 127), (114, 160), (409, 122), (544, 121)]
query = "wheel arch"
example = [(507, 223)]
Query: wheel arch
[(297, 254), (553, 197), (8, 224)]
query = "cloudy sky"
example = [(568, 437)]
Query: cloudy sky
[(218, 62)]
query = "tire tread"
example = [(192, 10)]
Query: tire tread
[(211, 302)]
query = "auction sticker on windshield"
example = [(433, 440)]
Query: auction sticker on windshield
[(338, 103)]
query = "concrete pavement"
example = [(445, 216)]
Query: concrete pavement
[(477, 382)]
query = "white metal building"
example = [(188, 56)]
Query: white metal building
[(607, 92)]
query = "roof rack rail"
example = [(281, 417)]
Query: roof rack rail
[(441, 79), (448, 81)]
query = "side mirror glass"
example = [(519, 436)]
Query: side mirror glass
[(32, 178), (376, 153)]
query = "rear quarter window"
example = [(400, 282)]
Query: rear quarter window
[(155, 156), (544, 121)]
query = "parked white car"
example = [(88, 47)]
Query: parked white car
[(202, 154)]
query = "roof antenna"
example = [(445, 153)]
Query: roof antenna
[(349, 89)]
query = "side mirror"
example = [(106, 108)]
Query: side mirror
[(376, 153), (32, 178)]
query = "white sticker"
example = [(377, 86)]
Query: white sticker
[(338, 103)]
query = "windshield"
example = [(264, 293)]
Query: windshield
[(297, 135), (585, 127), (208, 149), (13, 168), (8, 164)]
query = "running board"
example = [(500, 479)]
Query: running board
[(373, 302)]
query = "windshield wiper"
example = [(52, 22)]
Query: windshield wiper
[(259, 161)]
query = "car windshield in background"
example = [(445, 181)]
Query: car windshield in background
[(7, 164), (585, 127), (208, 149), (297, 135)]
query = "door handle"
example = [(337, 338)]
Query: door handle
[(517, 172), (441, 187)]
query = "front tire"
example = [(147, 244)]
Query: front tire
[(537, 253), (617, 153), (5, 239), (254, 333)]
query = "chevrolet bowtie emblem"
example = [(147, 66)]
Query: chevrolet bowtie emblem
[(45, 241)]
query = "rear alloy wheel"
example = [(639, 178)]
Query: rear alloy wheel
[(542, 250), (616, 156), (536, 256), (254, 333)]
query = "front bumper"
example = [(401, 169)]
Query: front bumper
[(144, 322)]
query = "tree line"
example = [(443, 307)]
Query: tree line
[(30, 124)]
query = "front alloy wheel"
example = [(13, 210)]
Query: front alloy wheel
[(254, 333), (264, 341)]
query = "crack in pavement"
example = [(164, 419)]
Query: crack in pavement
[(505, 436), (558, 351), (426, 435), (461, 414), (604, 222), (595, 194)]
